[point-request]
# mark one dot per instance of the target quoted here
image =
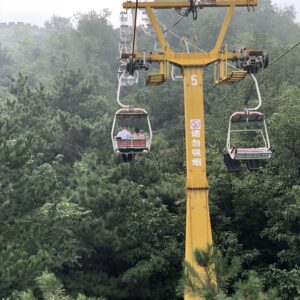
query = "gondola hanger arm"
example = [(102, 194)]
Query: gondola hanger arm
[(258, 95)]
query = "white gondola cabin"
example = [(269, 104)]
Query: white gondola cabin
[(133, 144), (247, 137)]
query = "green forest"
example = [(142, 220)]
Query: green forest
[(77, 223)]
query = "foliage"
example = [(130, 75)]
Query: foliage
[(212, 274), (48, 287), (77, 223)]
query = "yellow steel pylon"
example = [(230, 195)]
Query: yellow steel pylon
[(198, 226)]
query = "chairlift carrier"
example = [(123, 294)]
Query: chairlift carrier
[(255, 119), (132, 145)]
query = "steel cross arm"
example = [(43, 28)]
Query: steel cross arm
[(186, 4), (164, 44), (186, 59)]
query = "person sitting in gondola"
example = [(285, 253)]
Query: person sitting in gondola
[(125, 134), (138, 134), (139, 141)]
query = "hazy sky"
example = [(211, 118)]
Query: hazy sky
[(37, 11)]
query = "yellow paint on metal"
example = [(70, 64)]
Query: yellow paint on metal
[(154, 79), (159, 34), (186, 59), (224, 29), (185, 4), (198, 226), (194, 128)]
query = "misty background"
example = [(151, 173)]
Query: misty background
[(37, 12)]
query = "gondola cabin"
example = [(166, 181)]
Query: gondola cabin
[(247, 137), (136, 122)]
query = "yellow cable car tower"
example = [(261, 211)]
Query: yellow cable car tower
[(198, 226)]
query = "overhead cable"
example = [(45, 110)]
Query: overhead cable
[(192, 9), (187, 41), (177, 22), (272, 63), (285, 53), (180, 38)]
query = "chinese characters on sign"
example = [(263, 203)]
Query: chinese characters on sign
[(195, 126)]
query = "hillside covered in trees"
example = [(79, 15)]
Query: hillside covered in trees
[(76, 223)]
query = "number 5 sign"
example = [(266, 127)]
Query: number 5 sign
[(194, 80)]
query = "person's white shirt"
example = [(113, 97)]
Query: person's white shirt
[(124, 134)]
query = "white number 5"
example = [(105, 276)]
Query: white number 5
[(194, 80)]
